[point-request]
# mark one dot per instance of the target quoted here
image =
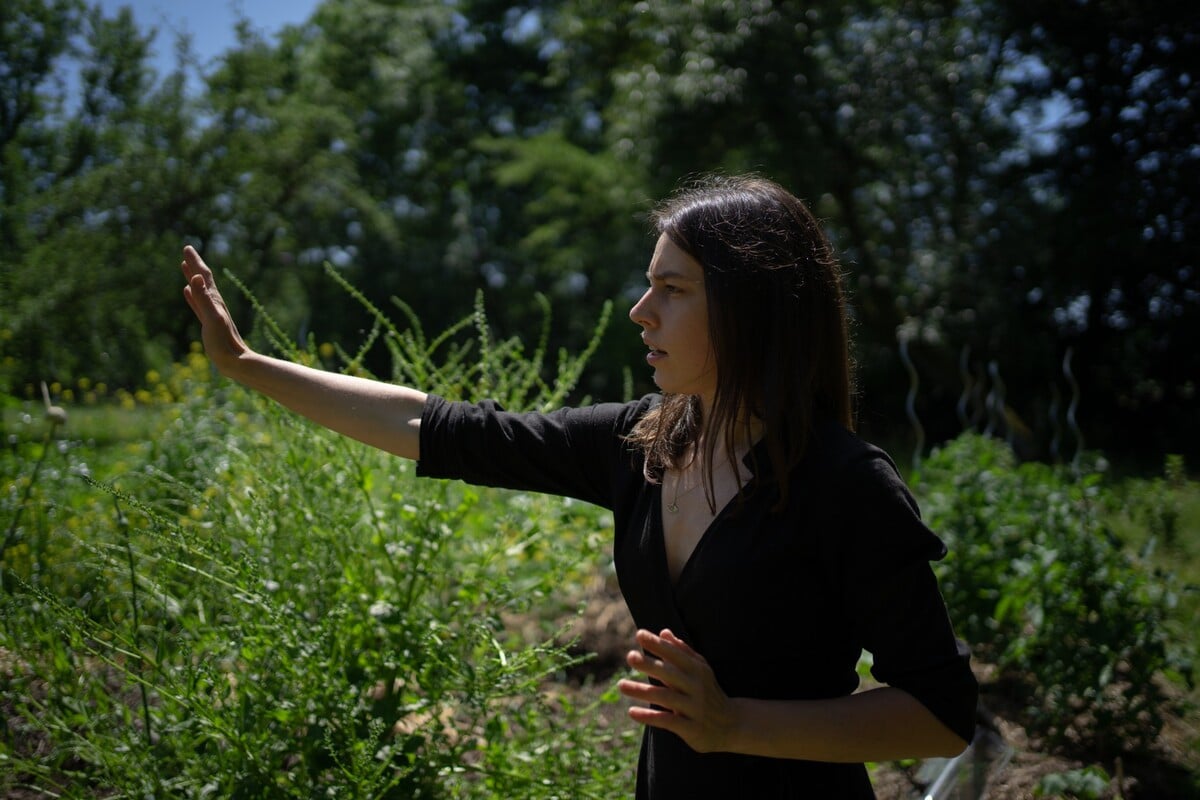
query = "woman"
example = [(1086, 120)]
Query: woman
[(759, 544)]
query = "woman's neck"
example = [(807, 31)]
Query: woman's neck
[(745, 436)]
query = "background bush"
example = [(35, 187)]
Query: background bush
[(1042, 588)]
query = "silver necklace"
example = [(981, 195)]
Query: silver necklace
[(673, 506)]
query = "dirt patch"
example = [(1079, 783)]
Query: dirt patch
[(604, 632)]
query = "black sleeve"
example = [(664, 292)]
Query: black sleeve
[(572, 452), (892, 595)]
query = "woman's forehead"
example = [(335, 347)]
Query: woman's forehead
[(672, 262)]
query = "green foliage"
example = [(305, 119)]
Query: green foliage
[(480, 367), (1041, 587), (246, 605), (988, 169), (1089, 783), (1156, 504), (93, 191), (1159, 517)]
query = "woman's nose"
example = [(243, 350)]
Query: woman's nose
[(640, 313)]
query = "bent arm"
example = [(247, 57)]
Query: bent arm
[(380, 414), (878, 725)]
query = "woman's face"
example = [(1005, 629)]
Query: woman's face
[(673, 315)]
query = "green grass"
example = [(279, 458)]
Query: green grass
[(100, 425)]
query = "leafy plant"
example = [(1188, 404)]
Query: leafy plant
[(254, 607), (1088, 783), (1041, 587)]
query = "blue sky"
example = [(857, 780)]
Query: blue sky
[(210, 23)]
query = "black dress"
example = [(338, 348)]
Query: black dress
[(844, 567)]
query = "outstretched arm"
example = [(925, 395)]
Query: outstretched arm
[(380, 414)]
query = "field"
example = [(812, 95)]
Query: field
[(205, 597)]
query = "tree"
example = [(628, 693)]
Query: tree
[(995, 175), (87, 163), (890, 118), (1122, 286)]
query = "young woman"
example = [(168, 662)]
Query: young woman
[(759, 544)]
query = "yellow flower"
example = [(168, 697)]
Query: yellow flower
[(152, 377), (85, 383), (326, 350)]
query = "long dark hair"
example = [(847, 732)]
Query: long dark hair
[(777, 323)]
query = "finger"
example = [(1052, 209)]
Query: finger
[(657, 668), (191, 301), (661, 704), (666, 649), (668, 635), (657, 718), (199, 297), (650, 694), (193, 265), (187, 265)]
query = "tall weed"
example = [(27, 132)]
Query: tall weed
[(255, 607)]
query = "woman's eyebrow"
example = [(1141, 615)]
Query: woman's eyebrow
[(670, 275)]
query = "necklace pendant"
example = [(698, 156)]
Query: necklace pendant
[(672, 507)]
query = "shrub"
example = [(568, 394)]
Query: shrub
[(1040, 586)]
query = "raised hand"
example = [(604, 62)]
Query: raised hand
[(222, 342), (689, 703)]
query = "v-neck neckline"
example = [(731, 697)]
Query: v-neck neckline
[(675, 583)]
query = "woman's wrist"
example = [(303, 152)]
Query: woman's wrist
[(739, 730)]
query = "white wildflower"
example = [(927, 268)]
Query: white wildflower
[(381, 608)]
